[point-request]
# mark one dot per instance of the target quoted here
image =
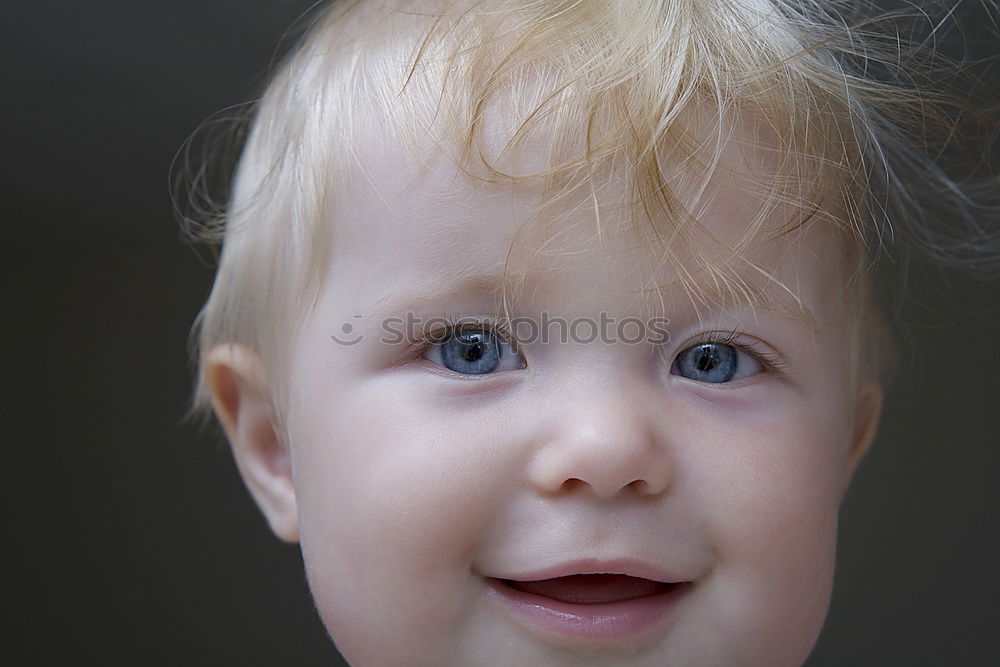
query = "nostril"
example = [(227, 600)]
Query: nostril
[(640, 485)]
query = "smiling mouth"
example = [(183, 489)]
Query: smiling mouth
[(592, 589), (592, 607)]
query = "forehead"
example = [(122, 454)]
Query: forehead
[(415, 218)]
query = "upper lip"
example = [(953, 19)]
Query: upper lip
[(625, 566)]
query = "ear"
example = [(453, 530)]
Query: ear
[(867, 412), (234, 376)]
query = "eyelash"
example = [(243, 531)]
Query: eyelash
[(425, 338), (769, 361)]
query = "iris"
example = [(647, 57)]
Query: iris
[(472, 352), (708, 362)]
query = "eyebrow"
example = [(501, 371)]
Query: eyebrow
[(462, 282), (469, 282), (773, 297)]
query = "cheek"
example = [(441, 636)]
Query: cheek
[(772, 489), (393, 498)]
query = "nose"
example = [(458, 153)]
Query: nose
[(609, 444)]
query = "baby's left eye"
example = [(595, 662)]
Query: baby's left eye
[(715, 363), (475, 351)]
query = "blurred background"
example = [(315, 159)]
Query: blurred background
[(130, 539)]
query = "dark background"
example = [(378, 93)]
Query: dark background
[(129, 538)]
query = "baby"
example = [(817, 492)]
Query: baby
[(547, 328)]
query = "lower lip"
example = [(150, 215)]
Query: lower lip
[(607, 621)]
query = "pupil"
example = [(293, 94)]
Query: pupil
[(473, 346), (705, 360)]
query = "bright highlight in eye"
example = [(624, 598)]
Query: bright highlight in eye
[(715, 363), (475, 351)]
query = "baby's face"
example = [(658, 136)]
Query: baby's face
[(458, 499)]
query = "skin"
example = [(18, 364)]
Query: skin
[(408, 484)]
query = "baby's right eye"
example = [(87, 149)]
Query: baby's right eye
[(475, 350)]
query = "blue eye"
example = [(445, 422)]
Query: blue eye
[(715, 363), (474, 351)]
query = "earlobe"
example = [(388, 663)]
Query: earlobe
[(867, 412), (235, 378)]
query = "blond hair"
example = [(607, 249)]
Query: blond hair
[(834, 98)]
